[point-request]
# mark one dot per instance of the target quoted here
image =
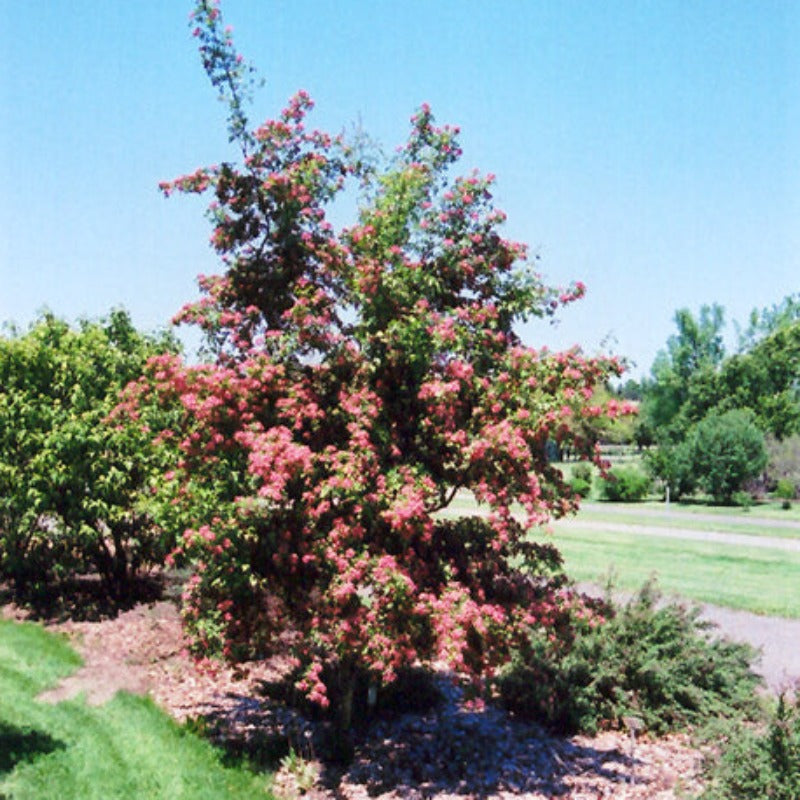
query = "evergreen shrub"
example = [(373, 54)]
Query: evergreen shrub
[(625, 485), (756, 763), (655, 661)]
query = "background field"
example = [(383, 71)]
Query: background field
[(749, 563)]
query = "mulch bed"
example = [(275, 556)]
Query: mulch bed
[(450, 750)]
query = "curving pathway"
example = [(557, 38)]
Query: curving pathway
[(777, 638), (723, 537)]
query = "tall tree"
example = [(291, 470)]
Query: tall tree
[(684, 370), (363, 377)]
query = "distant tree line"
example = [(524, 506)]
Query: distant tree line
[(719, 422)]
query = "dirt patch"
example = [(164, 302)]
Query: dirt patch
[(451, 751)]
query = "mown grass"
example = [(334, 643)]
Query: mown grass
[(657, 516), (762, 580), (759, 579), (127, 748)]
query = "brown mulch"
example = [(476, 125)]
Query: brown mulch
[(447, 752)]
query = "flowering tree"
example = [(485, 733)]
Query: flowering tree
[(362, 377)]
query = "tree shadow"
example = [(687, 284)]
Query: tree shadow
[(445, 747), (474, 753), (83, 598), (18, 745)]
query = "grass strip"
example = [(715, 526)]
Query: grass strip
[(658, 516), (760, 580), (127, 748)]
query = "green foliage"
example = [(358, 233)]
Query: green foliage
[(742, 499), (786, 490), (692, 377), (766, 321), (727, 450), (654, 661), (73, 486), (757, 763), (718, 455), (783, 460), (671, 464), (581, 480), (72, 751), (764, 380), (625, 485), (691, 357)]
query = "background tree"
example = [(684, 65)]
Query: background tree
[(363, 377), (766, 380), (681, 373), (762, 380), (726, 451), (766, 321), (73, 487)]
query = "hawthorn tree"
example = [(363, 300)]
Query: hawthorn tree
[(362, 377)]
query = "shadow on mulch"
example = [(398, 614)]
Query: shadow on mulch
[(85, 598), (419, 748)]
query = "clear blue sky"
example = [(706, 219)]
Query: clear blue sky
[(650, 149)]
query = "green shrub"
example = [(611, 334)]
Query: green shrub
[(727, 450), (656, 662), (755, 764), (671, 464), (625, 485), (785, 490), (742, 499), (75, 487), (581, 480)]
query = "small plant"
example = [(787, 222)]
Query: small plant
[(785, 491), (757, 763), (742, 499), (625, 485), (297, 774), (581, 480)]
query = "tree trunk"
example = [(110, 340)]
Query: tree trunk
[(342, 746)]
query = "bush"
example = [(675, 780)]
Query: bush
[(657, 662), (625, 485), (757, 763), (75, 487), (581, 480), (742, 499), (785, 490), (672, 465), (783, 462), (727, 450)]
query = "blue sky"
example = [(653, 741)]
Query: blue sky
[(650, 149)]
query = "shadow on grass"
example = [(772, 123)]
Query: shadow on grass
[(19, 745)]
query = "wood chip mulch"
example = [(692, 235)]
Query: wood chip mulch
[(448, 752)]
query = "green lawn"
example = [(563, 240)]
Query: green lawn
[(124, 749), (763, 580), (760, 522)]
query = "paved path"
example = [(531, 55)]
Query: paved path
[(673, 513), (778, 639), (669, 532)]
